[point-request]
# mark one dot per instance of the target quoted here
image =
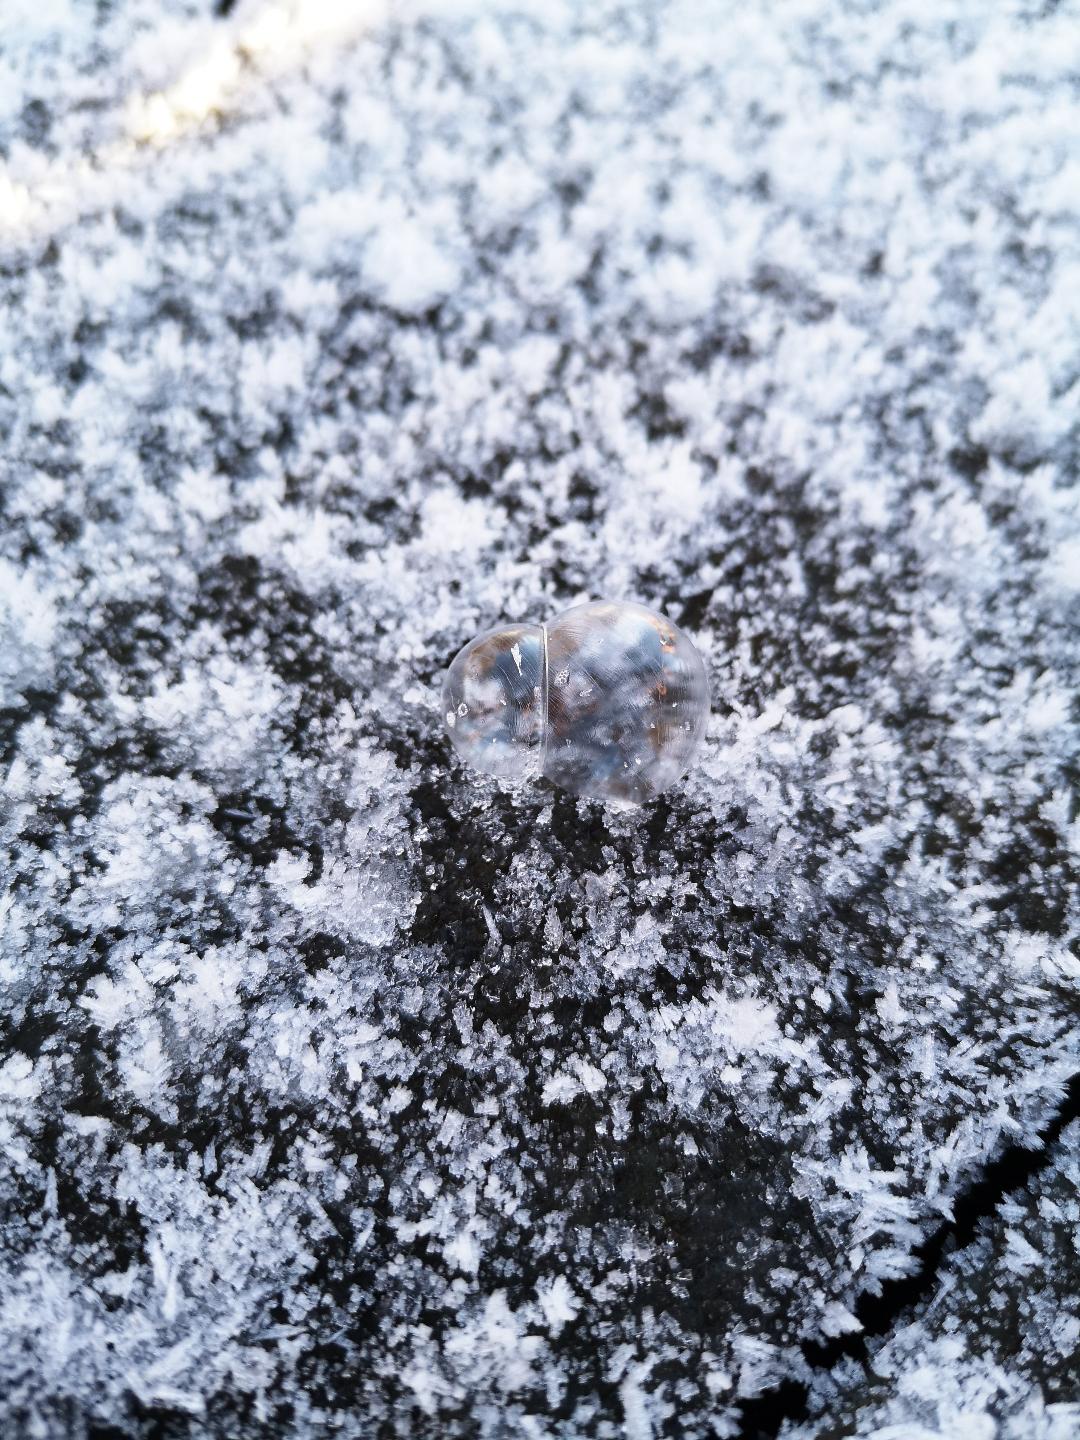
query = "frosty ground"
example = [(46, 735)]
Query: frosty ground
[(343, 1094)]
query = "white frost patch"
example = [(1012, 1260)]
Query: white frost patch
[(453, 524), (581, 1078), (410, 264), (28, 626), (637, 1409), (558, 1302)]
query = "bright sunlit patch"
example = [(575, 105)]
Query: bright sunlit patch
[(276, 38), (264, 42), (201, 91), (15, 203)]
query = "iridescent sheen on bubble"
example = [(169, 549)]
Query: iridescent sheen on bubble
[(609, 700)]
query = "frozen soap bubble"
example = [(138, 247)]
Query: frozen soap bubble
[(609, 700)]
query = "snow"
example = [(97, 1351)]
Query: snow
[(343, 1092)]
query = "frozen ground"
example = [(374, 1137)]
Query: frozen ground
[(341, 1095)]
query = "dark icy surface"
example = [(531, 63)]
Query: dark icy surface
[(343, 1093)]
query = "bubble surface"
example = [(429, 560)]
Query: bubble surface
[(609, 700)]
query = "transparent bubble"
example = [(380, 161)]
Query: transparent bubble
[(609, 700)]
